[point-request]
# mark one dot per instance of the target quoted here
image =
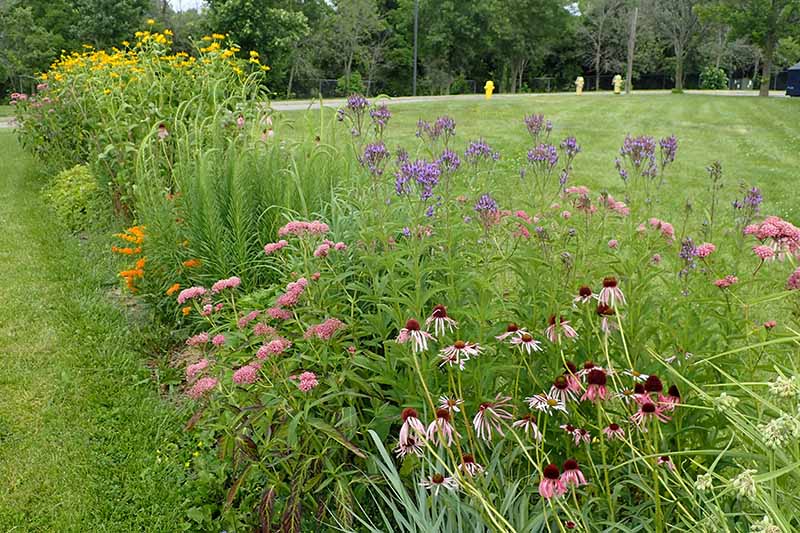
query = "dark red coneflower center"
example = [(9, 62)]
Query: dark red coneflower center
[(459, 345), (613, 427), (444, 414), (605, 310), (467, 458), (588, 365), (584, 291), (649, 408), (653, 384), (552, 320), (569, 428), (596, 377), (664, 458), (551, 471), (511, 328), (412, 325), (439, 311), (560, 383), (673, 391), (409, 412), (527, 337), (485, 405), (610, 282), (570, 464), (638, 388), (570, 366), (438, 479)]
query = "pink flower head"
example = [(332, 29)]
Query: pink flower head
[(469, 466), (611, 295), (246, 375), (585, 295), (666, 229), (194, 369), (300, 228), (246, 319), (793, 283), (459, 353), (666, 462), (218, 340), (440, 320), (201, 387), (581, 435), (614, 432), (512, 330), (263, 330), (200, 338), (670, 400), (558, 326), (307, 381), (562, 389), (566, 215), (340, 246), (412, 427), (322, 250), (551, 484), (596, 386), (613, 244), (326, 330), (526, 343), (207, 310), (528, 424), (705, 249), (273, 347), (726, 282), (441, 430), (648, 411), (578, 190), (190, 293), (292, 295), (764, 252), (273, 247), (656, 259), (279, 314), (769, 324), (489, 417), (572, 474), (451, 404), (412, 332), (229, 283), (439, 482)]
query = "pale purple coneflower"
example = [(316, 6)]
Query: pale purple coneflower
[(451, 404), (512, 330), (528, 424), (551, 484), (459, 353), (419, 339), (546, 403), (437, 482), (611, 294), (412, 426), (581, 435), (607, 324), (572, 474), (526, 343), (413, 445), (440, 320), (636, 375), (596, 389), (614, 432), (585, 295), (672, 399), (441, 430), (490, 416), (666, 462), (557, 326), (648, 411), (469, 466)]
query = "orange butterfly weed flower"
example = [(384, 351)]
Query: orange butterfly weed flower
[(186, 310), (191, 263), (173, 289)]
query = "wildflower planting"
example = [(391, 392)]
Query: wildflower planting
[(384, 328)]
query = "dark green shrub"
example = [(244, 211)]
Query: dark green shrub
[(713, 78)]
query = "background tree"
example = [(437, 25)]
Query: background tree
[(680, 24), (762, 22), (354, 24), (601, 27)]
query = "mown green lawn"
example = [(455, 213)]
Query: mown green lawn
[(6, 111), (756, 139), (80, 420)]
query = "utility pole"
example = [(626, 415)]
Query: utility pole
[(416, 32), (631, 49)]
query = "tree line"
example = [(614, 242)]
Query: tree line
[(368, 45)]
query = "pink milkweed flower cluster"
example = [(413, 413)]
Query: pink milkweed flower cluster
[(293, 291), (196, 368), (793, 283), (325, 248), (274, 347), (218, 340), (263, 330), (246, 319), (307, 381), (613, 244), (705, 249), (247, 374), (229, 283), (190, 293), (763, 252), (197, 340), (201, 387), (615, 206), (779, 235), (666, 229), (325, 330), (726, 282), (209, 309), (272, 247), (301, 228), (279, 314)]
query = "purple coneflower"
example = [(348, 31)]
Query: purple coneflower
[(469, 466), (571, 373), (611, 294), (557, 326), (413, 333), (526, 343), (528, 425), (585, 295), (551, 484), (666, 461), (614, 432), (572, 474), (607, 325), (490, 415), (412, 445), (440, 320), (459, 353), (669, 401), (581, 435), (561, 389), (437, 482), (412, 426), (441, 430), (546, 403), (451, 404), (512, 330), (596, 389), (646, 412)]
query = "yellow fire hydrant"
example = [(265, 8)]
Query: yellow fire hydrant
[(579, 85), (489, 88), (617, 81)]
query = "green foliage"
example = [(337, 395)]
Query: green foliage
[(713, 78), (352, 84), (76, 199)]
